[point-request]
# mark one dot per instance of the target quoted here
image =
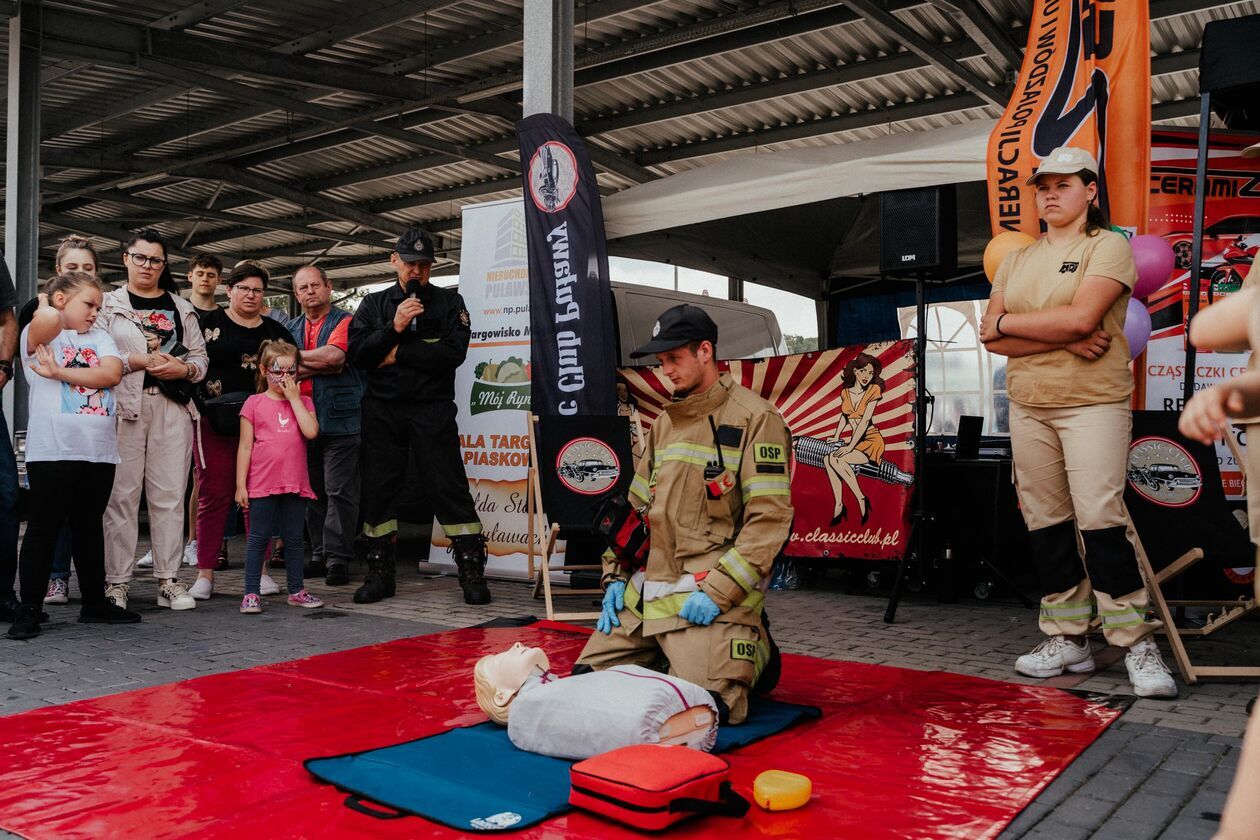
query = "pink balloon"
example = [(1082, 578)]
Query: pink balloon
[(1155, 262), (1137, 327)]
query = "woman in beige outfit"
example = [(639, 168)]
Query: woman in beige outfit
[(163, 352)]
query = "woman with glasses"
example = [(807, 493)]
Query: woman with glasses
[(163, 353), (233, 338)]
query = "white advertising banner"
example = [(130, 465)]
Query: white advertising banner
[(492, 386)]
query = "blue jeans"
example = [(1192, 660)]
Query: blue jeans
[(8, 511), (61, 555), (270, 515)]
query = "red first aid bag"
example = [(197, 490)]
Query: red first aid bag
[(653, 786)]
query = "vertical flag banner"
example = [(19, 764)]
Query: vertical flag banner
[(1085, 82), (822, 396), (570, 299)]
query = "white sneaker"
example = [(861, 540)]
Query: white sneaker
[(58, 592), (145, 562), (1054, 656), (202, 589), (173, 594), (1147, 672), (117, 592), (190, 553), (267, 586)]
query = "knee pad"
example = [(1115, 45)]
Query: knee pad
[(1055, 557), (1111, 561)]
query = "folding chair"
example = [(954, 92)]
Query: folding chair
[(563, 491), (1178, 508)]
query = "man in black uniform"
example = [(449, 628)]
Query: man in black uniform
[(409, 339)]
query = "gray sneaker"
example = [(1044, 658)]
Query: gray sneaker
[(1147, 672)]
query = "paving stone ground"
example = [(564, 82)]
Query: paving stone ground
[(1162, 771)]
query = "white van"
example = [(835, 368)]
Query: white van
[(744, 331)]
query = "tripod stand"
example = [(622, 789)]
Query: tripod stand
[(920, 517)]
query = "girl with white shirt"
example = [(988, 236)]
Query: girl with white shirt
[(71, 446)]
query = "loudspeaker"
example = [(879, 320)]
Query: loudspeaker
[(918, 230)]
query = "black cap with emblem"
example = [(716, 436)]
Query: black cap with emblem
[(415, 246), (677, 326)]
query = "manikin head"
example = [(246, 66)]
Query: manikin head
[(498, 677)]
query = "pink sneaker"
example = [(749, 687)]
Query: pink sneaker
[(251, 604), (305, 599)]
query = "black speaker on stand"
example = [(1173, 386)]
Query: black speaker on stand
[(918, 236)]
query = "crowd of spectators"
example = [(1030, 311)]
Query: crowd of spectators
[(145, 393)]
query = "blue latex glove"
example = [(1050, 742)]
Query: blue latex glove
[(614, 602), (699, 609)]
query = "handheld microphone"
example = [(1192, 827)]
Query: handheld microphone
[(413, 292)]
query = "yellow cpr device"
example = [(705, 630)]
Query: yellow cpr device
[(779, 790)]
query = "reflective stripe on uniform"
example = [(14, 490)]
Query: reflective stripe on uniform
[(459, 529), (1069, 611), (698, 454), (766, 485), (639, 487), (385, 529), (1127, 617), (739, 569)]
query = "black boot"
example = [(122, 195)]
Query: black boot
[(470, 559), (26, 623), (11, 607), (379, 582), (338, 574)]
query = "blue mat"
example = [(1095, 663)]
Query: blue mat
[(475, 779)]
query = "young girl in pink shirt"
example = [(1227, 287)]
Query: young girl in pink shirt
[(271, 478)]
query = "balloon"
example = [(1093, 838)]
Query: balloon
[(1155, 262), (1001, 245), (1137, 327)]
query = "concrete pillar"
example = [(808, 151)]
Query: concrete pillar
[(21, 204), (548, 60)]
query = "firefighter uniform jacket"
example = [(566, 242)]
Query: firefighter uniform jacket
[(714, 478)]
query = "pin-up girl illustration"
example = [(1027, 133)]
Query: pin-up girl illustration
[(862, 390)]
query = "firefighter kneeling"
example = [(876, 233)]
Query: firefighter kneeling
[(714, 483)]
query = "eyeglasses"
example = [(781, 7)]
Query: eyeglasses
[(141, 260), (249, 291)]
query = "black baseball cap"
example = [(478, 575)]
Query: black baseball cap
[(677, 326), (415, 246)]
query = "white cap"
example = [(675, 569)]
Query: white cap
[(1065, 160)]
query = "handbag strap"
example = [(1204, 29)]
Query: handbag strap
[(730, 804)]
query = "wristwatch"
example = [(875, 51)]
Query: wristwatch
[(6, 367)]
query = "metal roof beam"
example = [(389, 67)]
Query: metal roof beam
[(192, 15), (192, 212), (474, 190), (813, 128), (976, 21), (318, 39), (896, 28)]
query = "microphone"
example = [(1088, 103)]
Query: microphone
[(413, 292)]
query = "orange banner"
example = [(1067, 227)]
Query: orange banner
[(1085, 82)]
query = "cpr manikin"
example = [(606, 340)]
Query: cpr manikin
[(578, 717)]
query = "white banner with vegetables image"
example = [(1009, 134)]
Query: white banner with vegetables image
[(492, 386)]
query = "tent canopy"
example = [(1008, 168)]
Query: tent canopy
[(799, 219)]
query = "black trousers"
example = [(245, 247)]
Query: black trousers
[(76, 493), (423, 435)]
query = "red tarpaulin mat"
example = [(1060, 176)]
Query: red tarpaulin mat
[(897, 753)]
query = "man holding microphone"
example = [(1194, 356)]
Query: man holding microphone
[(409, 340)]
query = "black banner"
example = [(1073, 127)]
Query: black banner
[(572, 334)]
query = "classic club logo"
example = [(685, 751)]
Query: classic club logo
[(1164, 472), (587, 466), (553, 176)]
